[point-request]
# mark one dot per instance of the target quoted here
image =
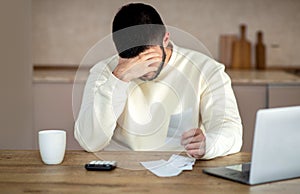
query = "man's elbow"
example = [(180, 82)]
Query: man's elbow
[(238, 140)]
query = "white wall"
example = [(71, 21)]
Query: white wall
[(64, 30), (15, 75)]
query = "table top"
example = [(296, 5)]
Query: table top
[(22, 171)]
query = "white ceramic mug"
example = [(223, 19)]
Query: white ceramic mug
[(52, 144)]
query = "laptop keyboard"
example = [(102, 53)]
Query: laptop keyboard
[(239, 175), (239, 172)]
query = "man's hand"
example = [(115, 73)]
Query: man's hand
[(129, 69), (194, 142)]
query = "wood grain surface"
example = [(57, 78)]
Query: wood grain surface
[(241, 51), (24, 172)]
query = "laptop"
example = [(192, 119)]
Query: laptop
[(275, 152)]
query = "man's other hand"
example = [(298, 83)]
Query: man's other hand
[(194, 142)]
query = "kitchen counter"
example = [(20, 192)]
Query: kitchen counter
[(67, 75), (54, 75), (262, 77)]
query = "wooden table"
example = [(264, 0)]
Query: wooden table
[(24, 172)]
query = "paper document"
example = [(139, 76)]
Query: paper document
[(177, 125), (173, 167)]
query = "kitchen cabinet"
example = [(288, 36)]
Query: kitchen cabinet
[(250, 98), (283, 95)]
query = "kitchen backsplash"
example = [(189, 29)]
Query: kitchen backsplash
[(63, 31)]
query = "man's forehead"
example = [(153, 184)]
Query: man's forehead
[(154, 47)]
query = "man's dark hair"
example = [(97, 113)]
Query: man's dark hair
[(146, 29)]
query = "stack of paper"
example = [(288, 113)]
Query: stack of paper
[(173, 167)]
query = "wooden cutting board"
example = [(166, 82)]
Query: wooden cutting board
[(241, 51), (225, 48)]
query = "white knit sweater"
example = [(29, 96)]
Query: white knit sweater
[(192, 91)]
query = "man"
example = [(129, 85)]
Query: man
[(157, 96)]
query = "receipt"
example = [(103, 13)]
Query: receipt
[(161, 168), (182, 162), (173, 167), (177, 125)]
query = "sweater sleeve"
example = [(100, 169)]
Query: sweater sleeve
[(103, 102), (219, 114)]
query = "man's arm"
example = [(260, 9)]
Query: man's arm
[(222, 133), (103, 101), (105, 97), (220, 115)]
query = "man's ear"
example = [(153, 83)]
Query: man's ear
[(166, 39)]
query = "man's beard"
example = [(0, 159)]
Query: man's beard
[(161, 65)]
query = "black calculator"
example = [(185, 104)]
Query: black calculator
[(100, 165)]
